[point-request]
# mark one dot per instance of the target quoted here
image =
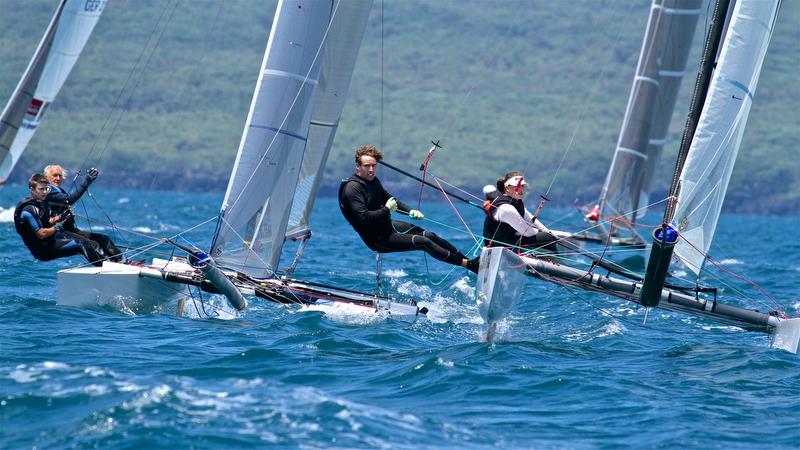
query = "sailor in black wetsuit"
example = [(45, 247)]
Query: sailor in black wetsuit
[(60, 202), (368, 207), (509, 224), (39, 229)]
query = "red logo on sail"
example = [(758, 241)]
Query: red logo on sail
[(34, 114), (35, 106)]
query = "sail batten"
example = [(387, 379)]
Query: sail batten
[(709, 164)]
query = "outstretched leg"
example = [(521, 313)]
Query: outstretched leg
[(409, 237), (91, 249), (114, 254)]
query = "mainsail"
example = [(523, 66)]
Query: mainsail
[(661, 66), (709, 163), (341, 50), (255, 211), (56, 54)]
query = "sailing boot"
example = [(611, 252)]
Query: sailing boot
[(473, 264)]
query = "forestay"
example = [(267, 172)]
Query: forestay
[(56, 54), (707, 171), (341, 49), (661, 66), (255, 210)]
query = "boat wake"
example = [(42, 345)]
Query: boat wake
[(348, 313), (610, 328), (498, 331), (211, 307), (6, 215), (454, 303)]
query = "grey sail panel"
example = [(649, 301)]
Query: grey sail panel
[(255, 211), (53, 60), (712, 154), (341, 50), (662, 63)]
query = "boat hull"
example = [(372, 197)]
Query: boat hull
[(157, 287), (299, 292), (785, 332), (501, 278), (130, 288)]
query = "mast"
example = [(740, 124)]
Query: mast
[(712, 137), (708, 167), (53, 60), (664, 238)]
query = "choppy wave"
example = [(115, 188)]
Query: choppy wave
[(6, 215)]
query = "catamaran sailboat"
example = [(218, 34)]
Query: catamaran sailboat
[(290, 127), (733, 54)]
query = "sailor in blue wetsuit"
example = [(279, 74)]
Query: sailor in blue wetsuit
[(368, 207), (60, 202), (39, 229)]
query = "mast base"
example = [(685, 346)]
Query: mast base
[(664, 240)]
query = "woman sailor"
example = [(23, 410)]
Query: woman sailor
[(509, 224)]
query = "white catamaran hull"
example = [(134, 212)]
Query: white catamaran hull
[(501, 278), (151, 288), (139, 289), (496, 269)]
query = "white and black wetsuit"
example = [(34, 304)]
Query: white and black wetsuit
[(29, 217), (363, 205), (60, 201), (509, 224)]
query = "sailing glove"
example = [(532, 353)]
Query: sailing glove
[(91, 174), (391, 204), (416, 214)]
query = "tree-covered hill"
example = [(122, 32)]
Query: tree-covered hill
[(159, 98)]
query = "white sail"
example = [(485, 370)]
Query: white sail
[(709, 164), (341, 50), (59, 49), (661, 66), (255, 211)]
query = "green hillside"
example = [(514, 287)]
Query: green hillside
[(160, 96)]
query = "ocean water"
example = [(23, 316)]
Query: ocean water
[(571, 369)]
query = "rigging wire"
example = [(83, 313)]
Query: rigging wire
[(156, 34), (383, 38), (166, 14), (592, 94), (286, 116)]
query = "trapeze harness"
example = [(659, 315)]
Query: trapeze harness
[(496, 233), (29, 215), (362, 204)]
